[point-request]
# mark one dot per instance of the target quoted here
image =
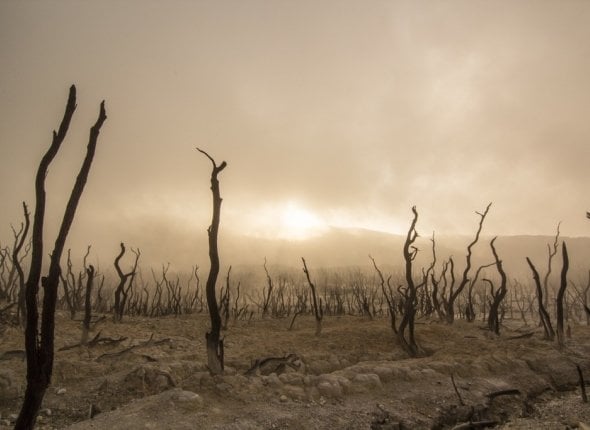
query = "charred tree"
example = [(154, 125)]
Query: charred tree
[(450, 305), (125, 283), (388, 294), (543, 314), (214, 342), (498, 296), (561, 294), (40, 349), (266, 292), (21, 311), (87, 303), (318, 310), (405, 331), (551, 252), (470, 310)]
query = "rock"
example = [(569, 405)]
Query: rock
[(384, 373), (224, 386), (320, 366), (272, 381), (60, 391), (330, 389), (291, 379), (293, 392), (9, 387), (283, 398), (366, 382), (310, 380), (183, 396), (149, 378)]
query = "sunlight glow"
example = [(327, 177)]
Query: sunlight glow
[(292, 220), (299, 223), (285, 220)]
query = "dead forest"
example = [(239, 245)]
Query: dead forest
[(403, 297)]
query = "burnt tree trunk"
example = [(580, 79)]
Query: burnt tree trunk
[(543, 314), (214, 342), (121, 291), (87, 304), (450, 305), (498, 296), (318, 310), (40, 349), (405, 331), (561, 294), (21, 311)]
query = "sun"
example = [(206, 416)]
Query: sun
[(296, 222), (290, 220)]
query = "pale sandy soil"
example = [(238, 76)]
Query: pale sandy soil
[(353, 376)]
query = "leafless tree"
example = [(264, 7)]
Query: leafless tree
[(551, 252), (214, 342), (18, 245), (497, 296), (453, 294), (405, 331), (125, 283), (90, 273), (543, 314), (317, 308), (40, 349), (560, 295), (266, 292)]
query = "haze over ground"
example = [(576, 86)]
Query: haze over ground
[(329, 114)]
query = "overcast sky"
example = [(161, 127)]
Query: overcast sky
[(342, 113)]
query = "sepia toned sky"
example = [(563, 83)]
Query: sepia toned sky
[(328, 113)]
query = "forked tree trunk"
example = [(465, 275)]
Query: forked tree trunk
[(40, 350), (318, 310), (21, 311), (405, 331), (453, 295), (543, 314), (213, 338), (494, 318)]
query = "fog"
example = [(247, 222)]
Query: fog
[(332, 114)]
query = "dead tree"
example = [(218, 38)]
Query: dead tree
[(560, 295), (405, 331), (470, 311), (87, 303), (543, 314), (450, 305), (388, 294), (498, 296), (125, 283), (224, 301), (21, 311), (266, 292), (40, 349), (214, 343), (551, 252), (318, 310)]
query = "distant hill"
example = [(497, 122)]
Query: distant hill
[(337, 247)]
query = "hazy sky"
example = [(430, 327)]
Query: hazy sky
[(342, 113)]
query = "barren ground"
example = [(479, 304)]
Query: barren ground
[(353, 376)]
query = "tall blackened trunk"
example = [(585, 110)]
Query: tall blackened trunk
[(561, 295), (213, 338), (543, 314), (40, 350)]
